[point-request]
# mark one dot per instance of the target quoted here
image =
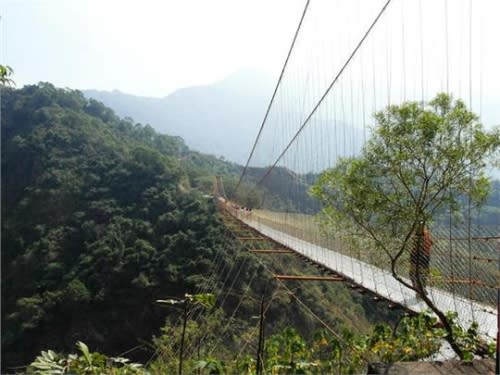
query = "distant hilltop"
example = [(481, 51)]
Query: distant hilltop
[(220, 119)]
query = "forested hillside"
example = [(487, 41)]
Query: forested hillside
[(101, 217), (94, 223)]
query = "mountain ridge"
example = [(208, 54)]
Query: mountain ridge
[(205, 116)]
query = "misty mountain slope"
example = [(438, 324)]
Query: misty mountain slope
[(220, 119)]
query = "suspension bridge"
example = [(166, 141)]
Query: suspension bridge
[(342, 67), (360, 274)]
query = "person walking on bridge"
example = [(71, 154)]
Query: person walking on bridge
[(420, 258)]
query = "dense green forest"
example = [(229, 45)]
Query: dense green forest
[(92, 218), (102, 216)]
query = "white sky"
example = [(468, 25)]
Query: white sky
[(151, 48), (143, 47)]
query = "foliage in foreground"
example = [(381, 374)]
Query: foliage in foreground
[(87, 362), (286, 352)]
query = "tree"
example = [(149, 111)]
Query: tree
[(190, 300), (419, 160), (5, 72)]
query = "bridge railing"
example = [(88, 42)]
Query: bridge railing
[(459, 264)]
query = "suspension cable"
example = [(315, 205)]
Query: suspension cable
[(274, 93), (325, 94)]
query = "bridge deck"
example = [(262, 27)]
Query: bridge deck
[(381, 282)]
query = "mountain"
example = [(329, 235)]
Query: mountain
[(220, 119), (102, 216)]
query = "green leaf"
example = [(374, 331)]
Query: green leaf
[(85, 351)]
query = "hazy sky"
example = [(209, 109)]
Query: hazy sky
[(143, 47), (151, 47)]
